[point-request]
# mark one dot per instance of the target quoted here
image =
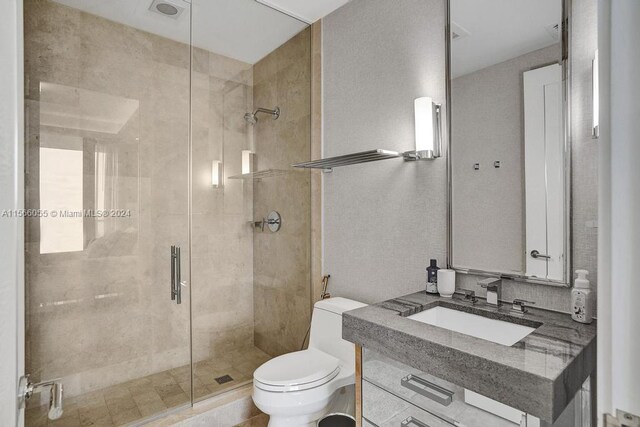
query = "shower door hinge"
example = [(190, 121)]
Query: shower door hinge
[(622, 419)]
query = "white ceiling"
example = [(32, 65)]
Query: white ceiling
[(499, 30), (247, 30), (241, 29), (308, 11)]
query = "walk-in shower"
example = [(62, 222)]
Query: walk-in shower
[(126, 112), (252, 118)]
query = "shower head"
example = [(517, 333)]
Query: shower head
[(252, 118)]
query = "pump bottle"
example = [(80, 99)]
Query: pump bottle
[(582, 299)]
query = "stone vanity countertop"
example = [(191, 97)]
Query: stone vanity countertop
[(539, 374)]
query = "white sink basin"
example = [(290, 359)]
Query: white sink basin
[(497, 331)]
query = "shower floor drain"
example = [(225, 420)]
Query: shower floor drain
[(224, 379)]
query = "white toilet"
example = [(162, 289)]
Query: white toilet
[(296, 389)]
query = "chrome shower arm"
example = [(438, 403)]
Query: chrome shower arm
[(275, 112)]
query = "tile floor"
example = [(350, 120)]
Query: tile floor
[(258, 421), (136, 399)]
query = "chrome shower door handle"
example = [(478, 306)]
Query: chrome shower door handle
[(178, 281), (176, 284), (536, 254), (173, 272)]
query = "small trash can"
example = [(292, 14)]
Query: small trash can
[(341, 411), (337, 420)]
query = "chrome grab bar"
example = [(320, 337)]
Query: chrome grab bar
[(413, 422), (428, 389), (536, 254)]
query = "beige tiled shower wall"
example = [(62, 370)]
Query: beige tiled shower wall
[(281, 261), (102, 315)]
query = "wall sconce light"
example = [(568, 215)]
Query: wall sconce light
[(216, 174), (248, 160), (428, 130), (595, 93)]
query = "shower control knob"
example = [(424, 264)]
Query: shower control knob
[(274, 221)]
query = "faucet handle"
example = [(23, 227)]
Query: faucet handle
[(519, 306), (471, 296)]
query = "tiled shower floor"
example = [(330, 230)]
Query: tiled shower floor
[(136, 399)]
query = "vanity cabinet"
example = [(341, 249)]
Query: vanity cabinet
[(395, 394)]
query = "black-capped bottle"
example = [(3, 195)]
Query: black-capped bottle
[(432, 277)]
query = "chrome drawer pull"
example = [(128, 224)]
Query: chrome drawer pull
[(413, 422), (428, 389)]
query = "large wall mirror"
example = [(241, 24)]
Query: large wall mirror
[(509, 153)]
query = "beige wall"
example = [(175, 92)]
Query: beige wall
[(382, 221), (282, 260), (103, 315)]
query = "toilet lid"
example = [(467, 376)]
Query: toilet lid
[(300, 370)]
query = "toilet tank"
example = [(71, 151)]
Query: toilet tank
[(326, 328)]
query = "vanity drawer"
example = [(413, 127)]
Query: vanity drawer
[(383, 409), (427, 392)]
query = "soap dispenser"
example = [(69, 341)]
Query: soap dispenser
[(582, 299)]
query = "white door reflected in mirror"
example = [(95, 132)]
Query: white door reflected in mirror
[(543, 172)]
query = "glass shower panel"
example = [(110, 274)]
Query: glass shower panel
[(251, 287), (107, 193)]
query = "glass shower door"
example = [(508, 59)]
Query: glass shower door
[(251, 285), (107, 197)]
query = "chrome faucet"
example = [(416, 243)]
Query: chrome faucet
[(493, 286)]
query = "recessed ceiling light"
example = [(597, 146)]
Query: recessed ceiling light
[(166, 8)]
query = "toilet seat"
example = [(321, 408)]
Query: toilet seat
[(301, 370)]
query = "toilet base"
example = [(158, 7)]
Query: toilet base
[(300, 420), (342, 401), (275, 421)]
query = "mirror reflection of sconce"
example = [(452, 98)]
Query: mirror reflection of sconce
[(595, 93), (248, 161), (216, 174), (428, 130)]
